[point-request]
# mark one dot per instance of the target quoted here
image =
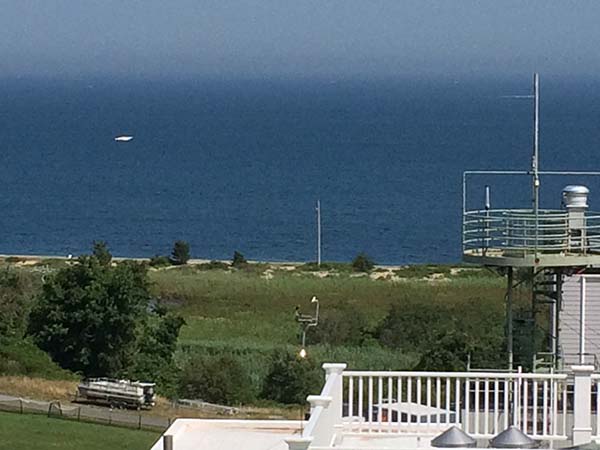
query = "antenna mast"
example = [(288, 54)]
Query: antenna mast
[(535, 158)]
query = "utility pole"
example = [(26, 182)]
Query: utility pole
[(319, 233)]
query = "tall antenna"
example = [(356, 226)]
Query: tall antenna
[(536, 149), (318, 233)]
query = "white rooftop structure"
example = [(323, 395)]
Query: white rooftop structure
[(405, 410), (231, 434)]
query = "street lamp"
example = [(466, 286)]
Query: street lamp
[(306, 321)]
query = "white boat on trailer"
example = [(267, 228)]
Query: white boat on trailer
[(117, 393)]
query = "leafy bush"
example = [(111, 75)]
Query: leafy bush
[(15, 302), (444, 337), (291, 378), (213, 265), (21, 357), (362, 263), (14, 259), (159, 261), (216, 379), (340, 327), (181, 253), (450, 352), (238, 260), (314, 267)]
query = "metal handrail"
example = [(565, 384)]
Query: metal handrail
[(522, 230)]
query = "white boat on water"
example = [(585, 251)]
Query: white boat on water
[(123, 138)]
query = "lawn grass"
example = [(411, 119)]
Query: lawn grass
[(36, 432)]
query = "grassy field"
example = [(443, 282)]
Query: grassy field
[(35, 432), (251, 313)]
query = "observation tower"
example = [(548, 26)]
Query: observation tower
[(550, 251)]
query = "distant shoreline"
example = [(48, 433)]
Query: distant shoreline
[(36, 259)]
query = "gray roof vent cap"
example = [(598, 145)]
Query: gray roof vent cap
[(512, 437), (453, 437)]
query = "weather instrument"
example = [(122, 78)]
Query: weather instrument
[(307, 321)]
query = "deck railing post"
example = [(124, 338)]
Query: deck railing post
[(337, 395), (582, 404)]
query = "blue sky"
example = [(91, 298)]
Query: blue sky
[(296, 38)]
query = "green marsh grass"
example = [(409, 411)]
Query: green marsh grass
[(244, 313)]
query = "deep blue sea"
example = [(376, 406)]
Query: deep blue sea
[(239, 165)]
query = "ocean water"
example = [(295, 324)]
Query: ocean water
[(239, 165)]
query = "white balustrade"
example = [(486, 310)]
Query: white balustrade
[(482, 403), (546, 407)]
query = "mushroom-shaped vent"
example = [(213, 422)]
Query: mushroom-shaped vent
[(453, 437), (512, 437)]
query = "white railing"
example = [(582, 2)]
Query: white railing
[(481, 403), (547, 407)]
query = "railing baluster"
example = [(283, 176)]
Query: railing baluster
[(447, 412), (351, 399), (380, 402), (506, 403), (467, 412), (545, 410), (370, 406), (457, 418), (399, 403), (495, 429), (554, 419), (535, 406), (595, 383), (525, 407), (565, 408), (360, 402), (409, 401), (418, 401), (486, 406), (390, 409), (476, 407), (516, 400), (438, 400), (428, 419)]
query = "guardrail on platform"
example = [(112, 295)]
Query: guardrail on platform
[(520, 230)]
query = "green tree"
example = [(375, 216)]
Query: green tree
[(291, 378), (362, 263), (157, 342), (181, 253), (87, 315), (238, 260), (100, 251)]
